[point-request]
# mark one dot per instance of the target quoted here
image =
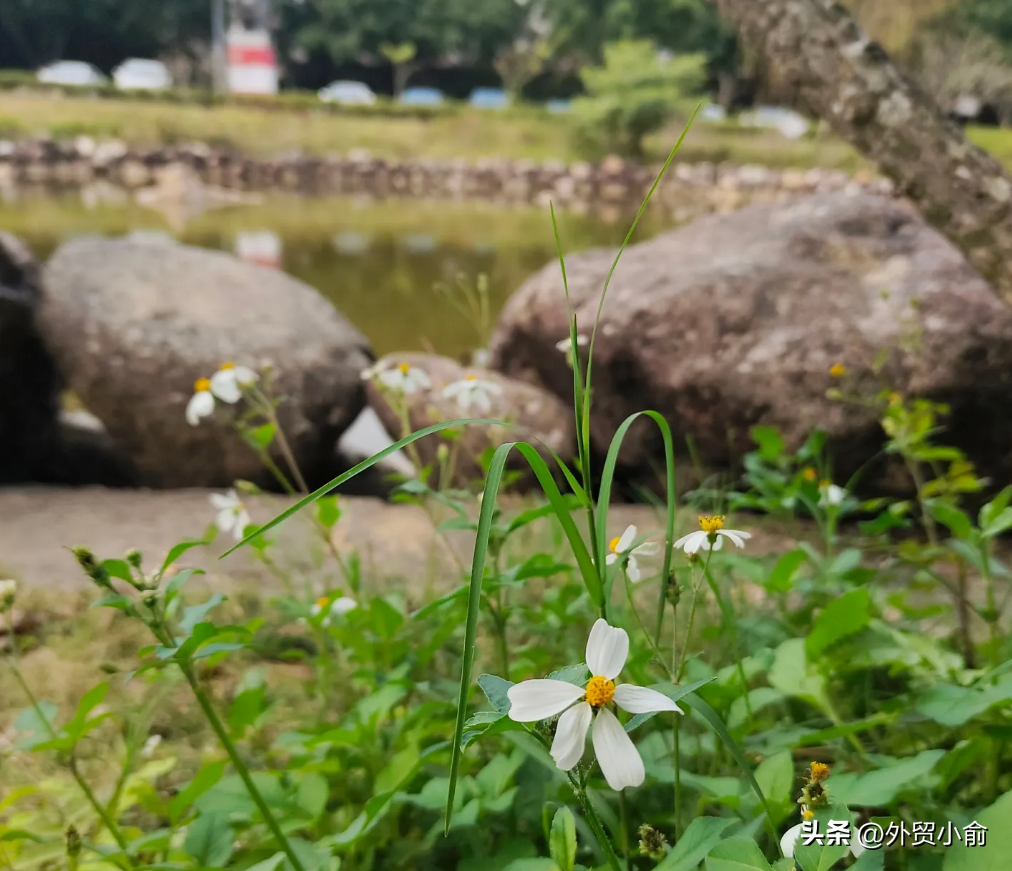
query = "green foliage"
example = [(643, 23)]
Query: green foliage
[(633, 93)]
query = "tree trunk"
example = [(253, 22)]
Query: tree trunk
[(821, 60)]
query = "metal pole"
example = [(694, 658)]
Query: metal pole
[(219, 73)]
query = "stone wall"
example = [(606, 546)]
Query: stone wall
[(611, 182)]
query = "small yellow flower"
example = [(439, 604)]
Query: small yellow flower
[(838, 370), (807, 814), (895, 398), (810, 474), (820, 771)]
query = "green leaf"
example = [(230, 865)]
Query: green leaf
[(994, 855), (701, 835), (179, 580), (782, 576), (177, 551), (574, 674), (737, 854), (312, 793), (770, 445), (209, 840), (869, 860), (207, 777), (881, 788), (791, 674), (196, 613), (840, 619), (495, 689), (535, 864), (562, 841), (758, 698), (710, 716), (118, 568), (949, 515), (775, 776)]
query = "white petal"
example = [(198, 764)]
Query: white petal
[(392, 378), (533, 700), (607, 649), (482, 400), (571, 736), (692, 542), (420, 378), (648, 548), (789, 839), (221, 501), (242, 520), (632, 569), (737, 537), (343, 605), (491, 387), (453, 389), (245, 376), (225, 520), (223, 385), (626, 540), (642, 700), (610, 558), (616, 754), (717, 545), (564, 345), (201, 404)]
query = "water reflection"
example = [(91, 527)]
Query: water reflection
[(380, 262)]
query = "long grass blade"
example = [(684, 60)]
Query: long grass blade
[(580, 552), (604, 493), (355, 470)]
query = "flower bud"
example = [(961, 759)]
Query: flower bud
[(653, 844), (92, 568), (8, 590)]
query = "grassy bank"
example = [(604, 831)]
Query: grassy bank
[(516, 134)]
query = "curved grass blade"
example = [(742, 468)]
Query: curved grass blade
[(621, 251), (604, 497), (696, 704), (355, 470), (580, 552)]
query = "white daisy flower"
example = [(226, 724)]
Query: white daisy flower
[(472, 391), (533, 700), (8, 590), (371, 372), (340, 605), (201, 404), (151, 745), (619, 547), (404, 378), (831, 494), (232, 514), (227, 383), (711, 534)]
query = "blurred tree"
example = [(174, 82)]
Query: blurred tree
[(636, 91), (401, 57)]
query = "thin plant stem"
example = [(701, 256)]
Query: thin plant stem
[(731, 628), (596, 826), (623, 815), (82, 784), (240, 766), (676, 726), (697, 581)]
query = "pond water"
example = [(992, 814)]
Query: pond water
[(386, 265)]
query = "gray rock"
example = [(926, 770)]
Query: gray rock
[(536, 416), (735, 320), (134, 325)]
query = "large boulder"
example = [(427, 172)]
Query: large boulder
[(736, 320), (535, 415), (135, 323), (29, 380)]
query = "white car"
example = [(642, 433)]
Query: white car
[(71, 72), (347, 94), (138, 74)]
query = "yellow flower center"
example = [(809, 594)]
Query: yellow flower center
[(201, 385), (403, 367), (322, 602), (471, 378), (613, 544), (825, 485), (810, 474), (838, 370), (600, 691), (710, 524), (224, 367)]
